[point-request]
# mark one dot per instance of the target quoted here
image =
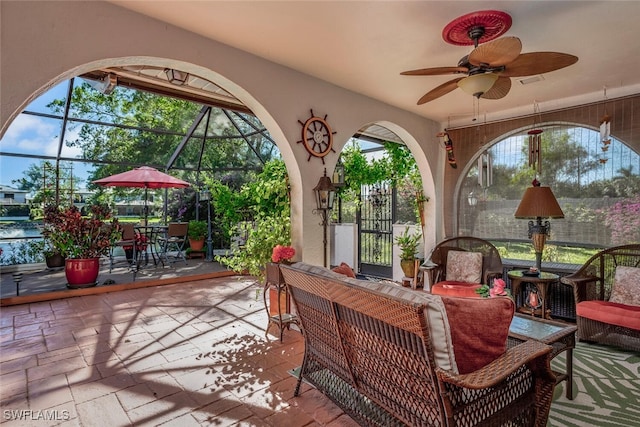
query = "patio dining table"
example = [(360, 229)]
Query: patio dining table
[(151, 233)]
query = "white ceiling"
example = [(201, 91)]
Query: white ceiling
[(364, 45)]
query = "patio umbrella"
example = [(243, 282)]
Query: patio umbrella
[(143, 177)]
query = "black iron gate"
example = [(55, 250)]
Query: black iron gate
[(375, 230)]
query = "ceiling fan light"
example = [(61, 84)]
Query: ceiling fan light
[(478, 84)]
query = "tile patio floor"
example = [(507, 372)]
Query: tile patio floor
[(187, 354)]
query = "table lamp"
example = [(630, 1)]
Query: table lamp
[(537, 203)]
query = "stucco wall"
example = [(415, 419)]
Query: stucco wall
[(43, 43)]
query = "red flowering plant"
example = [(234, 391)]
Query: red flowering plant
[(76, 236), (499, 289), (141, 243), (282, 253)]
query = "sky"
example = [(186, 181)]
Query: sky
[(35, 135)]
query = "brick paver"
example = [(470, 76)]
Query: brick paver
[(187, 354)]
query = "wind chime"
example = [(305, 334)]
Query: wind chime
[(535, 143), (485, 164), (605, 130), (485, 170)]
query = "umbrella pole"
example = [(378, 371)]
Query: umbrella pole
[(146, 207)]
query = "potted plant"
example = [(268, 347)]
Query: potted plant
[(280, 254), (80, 240), (408, 244), (196, 232), (52, 257), (278, 297), (267, 233)]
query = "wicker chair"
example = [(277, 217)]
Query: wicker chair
[(594, 282), (436, 265)]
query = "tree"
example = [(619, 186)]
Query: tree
[(131, 128), (565, 163), (49, 185), (267, 199)]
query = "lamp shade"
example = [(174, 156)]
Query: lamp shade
[(539, 202), (478, 84)]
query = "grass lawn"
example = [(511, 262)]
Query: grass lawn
[(552, 253)]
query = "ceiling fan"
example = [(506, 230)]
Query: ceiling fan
[(489, 67)]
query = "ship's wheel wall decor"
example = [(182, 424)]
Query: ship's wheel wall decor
[(317, 136)]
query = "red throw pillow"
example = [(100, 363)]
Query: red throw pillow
[(479, 329), (344, 268), (456, 289)]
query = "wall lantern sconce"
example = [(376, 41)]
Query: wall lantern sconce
[(325, 195), (176, 77), (338, 175), (538, 202)]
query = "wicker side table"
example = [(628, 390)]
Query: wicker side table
[(542, 282)]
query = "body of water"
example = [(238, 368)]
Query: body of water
[(12, 237)]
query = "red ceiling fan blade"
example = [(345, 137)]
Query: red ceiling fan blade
[(529, 64), (500, 89), (439, 91), (496, 53), (436, 71)]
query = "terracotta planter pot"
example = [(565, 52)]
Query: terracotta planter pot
[(196, 245), (82, 273)]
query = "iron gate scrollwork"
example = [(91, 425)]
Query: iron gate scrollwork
[(375, 224)]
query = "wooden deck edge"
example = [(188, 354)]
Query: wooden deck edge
[(71, 293)]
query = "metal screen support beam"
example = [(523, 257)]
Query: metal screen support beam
[(189, 134), (198, 182), (67, 106), (246, 140)]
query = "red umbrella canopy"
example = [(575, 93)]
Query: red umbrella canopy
[(143, 177)]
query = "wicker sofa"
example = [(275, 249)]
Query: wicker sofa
[(599, 317), (390, 356)]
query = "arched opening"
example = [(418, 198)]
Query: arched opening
[(594, 181), (386, 191)]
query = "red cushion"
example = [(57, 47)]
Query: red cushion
[(627, 316), (344, 268), (456, 289), (479, 329)]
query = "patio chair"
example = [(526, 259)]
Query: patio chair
[(173, 243), (607, 295), (460, 265), (128, 244)]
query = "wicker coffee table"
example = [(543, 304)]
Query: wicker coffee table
[(560, 336)]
